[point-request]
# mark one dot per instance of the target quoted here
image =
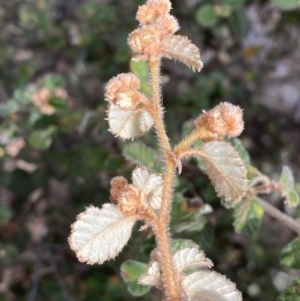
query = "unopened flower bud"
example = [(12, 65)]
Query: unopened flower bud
[(225, 119), (161, 6), (129, 200), (123, 83), (118, 186), (41, 98), (168, 24), (146, 40), (149, 12), (130, 99), (14, 146)]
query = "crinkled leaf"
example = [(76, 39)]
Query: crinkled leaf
[(100, 234), (225, 169), (189, 257), (292, 293), (153, 276), (178, 244), (150, 185), (287, 180), (290, 255), (182, 49), (210, 286), (141, 154), (238, 145), (128, 124), (247, 216)]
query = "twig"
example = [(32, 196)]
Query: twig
[(282, 217), (35, 277)]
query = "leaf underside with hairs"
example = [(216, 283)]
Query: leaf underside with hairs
[(128, 124), (210, 286), (225, 169), (190, 257), (180, 48), (100, 234)]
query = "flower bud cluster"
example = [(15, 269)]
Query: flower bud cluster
[(155, 24), (41, 99), (122, 90), (143, 193), (127, 116), (126, 196), (224, 120)]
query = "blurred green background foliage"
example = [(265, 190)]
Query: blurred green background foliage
[(57, 157)]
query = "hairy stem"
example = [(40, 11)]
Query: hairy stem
[(282, 217), (170, 277)]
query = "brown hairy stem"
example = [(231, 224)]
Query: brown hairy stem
[(170, 277)]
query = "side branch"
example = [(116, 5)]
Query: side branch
[(282, 217)]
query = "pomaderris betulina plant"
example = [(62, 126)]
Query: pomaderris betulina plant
[(100, 234)]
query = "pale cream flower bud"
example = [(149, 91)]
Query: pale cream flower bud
[(123, 83), (41, 98), (129, 201), (225, 120), (118, 185), (14, 146)]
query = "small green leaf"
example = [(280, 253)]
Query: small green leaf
[(58, 103), (8, 108), (206, 236), (42, 139), (136, 289), (141, 70), (234, 4), (238, 145), (287, 4), (240, 23), (224, 11), (290, 255), (292, 293), (206, 16), (287, 178), (5, 214), (131, 270), (53, 81), (178, 244), (141, 154), (247, 216), (292, 197), (8, 254)]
